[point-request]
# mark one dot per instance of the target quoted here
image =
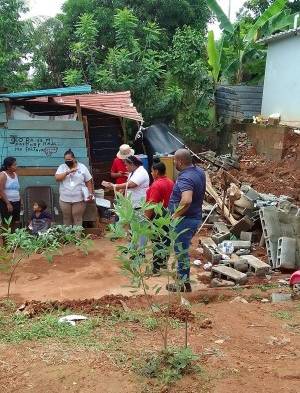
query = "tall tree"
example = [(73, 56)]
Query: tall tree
[(14, 45)]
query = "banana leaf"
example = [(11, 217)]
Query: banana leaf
[(213, 56), (271, 11), (222, 18)]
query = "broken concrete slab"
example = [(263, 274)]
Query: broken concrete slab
[(245, 224), (286, 253), (256, 265), (230, 274), (211, 251)]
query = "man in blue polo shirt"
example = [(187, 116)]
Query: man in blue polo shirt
[(186, 202)]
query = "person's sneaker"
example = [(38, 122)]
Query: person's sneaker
[(186, 287)]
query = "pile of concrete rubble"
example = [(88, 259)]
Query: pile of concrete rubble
[(239, 220)]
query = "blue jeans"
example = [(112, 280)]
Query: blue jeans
[(183, 242)]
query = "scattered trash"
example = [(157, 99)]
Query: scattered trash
[(278, 341), (184, 302), (72, 319), (197, 262), (226, 247), (219, 342), (265, 301), (207, 266), (239, 299)]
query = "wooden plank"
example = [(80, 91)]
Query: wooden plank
[(79, 111), (46, 133), (43, 151), (55, 125), (46, 161), (3, 118), (32, 171)]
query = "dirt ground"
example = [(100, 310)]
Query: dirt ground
[(250, 347), (74, 276)]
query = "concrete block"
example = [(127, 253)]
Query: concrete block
[(240, 266), (286, 253), (250, 193), (211, 251), (229, 274), (245, 224), (238, 244), (217, 282), (246, 236), (256, 265), (221, 232)]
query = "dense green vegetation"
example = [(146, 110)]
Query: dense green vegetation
[(157, 49)]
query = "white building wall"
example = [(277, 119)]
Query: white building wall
[(282, 80)]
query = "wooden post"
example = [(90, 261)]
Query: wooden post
[(125, 138), (87, 137), (78, 109), (8, 108)]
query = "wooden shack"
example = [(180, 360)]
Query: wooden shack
[(37, 127)]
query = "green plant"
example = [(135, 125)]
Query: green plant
[(136, 257), (237, 49), (168, 365), (18, 328), (150, 323), (20, 244), (284, 315)]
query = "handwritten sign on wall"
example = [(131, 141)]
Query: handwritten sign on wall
[(44, 145)]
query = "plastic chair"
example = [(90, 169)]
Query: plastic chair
[(38, 193)]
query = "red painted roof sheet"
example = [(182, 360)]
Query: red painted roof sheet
[(117, 104)]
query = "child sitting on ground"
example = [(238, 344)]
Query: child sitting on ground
[(40, 219)]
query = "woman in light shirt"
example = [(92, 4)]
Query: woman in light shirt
[(137, 183), (10, 201), (73, 178)]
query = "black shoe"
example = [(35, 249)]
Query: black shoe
[(156, 273), (186, 287)]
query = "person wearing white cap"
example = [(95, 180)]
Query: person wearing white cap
[(119, 171)]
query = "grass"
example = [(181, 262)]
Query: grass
[(284, 315), (266, 287), (18, 328)]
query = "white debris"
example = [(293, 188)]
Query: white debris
[(72, 319)]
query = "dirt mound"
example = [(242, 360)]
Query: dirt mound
[(103, 306), (267, 176), (179, 312)]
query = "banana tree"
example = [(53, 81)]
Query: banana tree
[(242, 42)]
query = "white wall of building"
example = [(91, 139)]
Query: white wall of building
[(282, 80)]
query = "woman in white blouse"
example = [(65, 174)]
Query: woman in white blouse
[(74, 178), (137, 183)]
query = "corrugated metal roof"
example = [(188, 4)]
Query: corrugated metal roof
[(117, 104), (84, 89), (280, 36)]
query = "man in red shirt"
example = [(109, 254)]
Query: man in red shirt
[(159, 192), (118, 169)]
